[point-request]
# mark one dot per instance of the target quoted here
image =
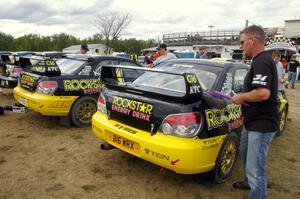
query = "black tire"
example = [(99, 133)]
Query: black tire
[(82, 111), (227, 158), (282, 121)]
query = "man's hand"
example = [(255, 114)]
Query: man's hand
[(238, 99)]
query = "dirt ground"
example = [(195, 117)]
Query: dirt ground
[(41, 159)]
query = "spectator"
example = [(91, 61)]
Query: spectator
[(84, 49), (164, 55), (199, 53), (3, 73), (204, 54), (292, 74), (3, 68), (280, 73), (97, 51), (147, 59)]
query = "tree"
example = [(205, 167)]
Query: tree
[(110, 26)]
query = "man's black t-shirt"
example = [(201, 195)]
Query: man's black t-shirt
[(293, 64), (262, 116)]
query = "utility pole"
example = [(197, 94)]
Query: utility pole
[(247, 22), (211, 27)]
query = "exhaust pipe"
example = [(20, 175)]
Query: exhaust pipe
[(106, 146)]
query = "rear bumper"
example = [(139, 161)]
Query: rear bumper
[(182, 155), (49, 105)]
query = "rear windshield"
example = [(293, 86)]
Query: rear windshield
[(69, 66), (206, 76)]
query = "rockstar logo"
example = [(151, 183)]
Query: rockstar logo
[(143, 108), (147, 151)]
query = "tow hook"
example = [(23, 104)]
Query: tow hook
[(162, 171), (106, 146)]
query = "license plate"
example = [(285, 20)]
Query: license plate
[(23, 101), (124, 142)]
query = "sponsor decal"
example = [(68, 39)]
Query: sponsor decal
[(133, 108), (236, 123), (60, 104), (157, 155), (87, 85), (27, 80), (192, 79), (51, 66), (86, 70), (218, 117), (209, 144), (173, 162), (129, 130), (194, 84)]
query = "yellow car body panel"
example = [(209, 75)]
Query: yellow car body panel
[(282, 101), (49, 105), (182, 155)]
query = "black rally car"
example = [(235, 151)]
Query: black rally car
[(175, 115), (68, 87)]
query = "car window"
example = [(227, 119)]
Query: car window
[(69, 66), (102, 63), (206, 77), (238, 80)]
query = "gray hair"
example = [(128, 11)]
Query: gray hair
[(255, 31)]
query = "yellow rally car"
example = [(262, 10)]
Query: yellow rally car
[(177, 116)]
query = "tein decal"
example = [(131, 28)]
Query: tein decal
[(82, 84), (133, 108), (218, 117)]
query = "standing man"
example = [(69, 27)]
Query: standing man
[(261, 115), (280, 73), (293, 64), (84, 48), (164, 54)]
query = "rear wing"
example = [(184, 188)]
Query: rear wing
[(44, 66), (111, 78)]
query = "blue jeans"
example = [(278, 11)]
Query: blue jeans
[(292, 78), (254, 147)]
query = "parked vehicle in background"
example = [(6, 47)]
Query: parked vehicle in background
[(25, 59), (121, 54), (68, 87)]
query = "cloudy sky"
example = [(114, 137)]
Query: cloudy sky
[(150, 18)]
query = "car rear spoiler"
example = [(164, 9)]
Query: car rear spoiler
[(45, 66), (110, 78)]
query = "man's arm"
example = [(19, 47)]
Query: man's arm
[(256, 95)]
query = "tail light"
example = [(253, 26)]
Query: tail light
[(101, 104), (16, 72), (182, 125), (47, 87)]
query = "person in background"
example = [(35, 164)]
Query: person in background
[(284, 64), (147, 59), (3, 68), (280, 73), (84, 49), (261, 114), (164, 55), (292, 74), (3, 72), (204, 55), (134, 57), (97, 51), (199, 53)]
